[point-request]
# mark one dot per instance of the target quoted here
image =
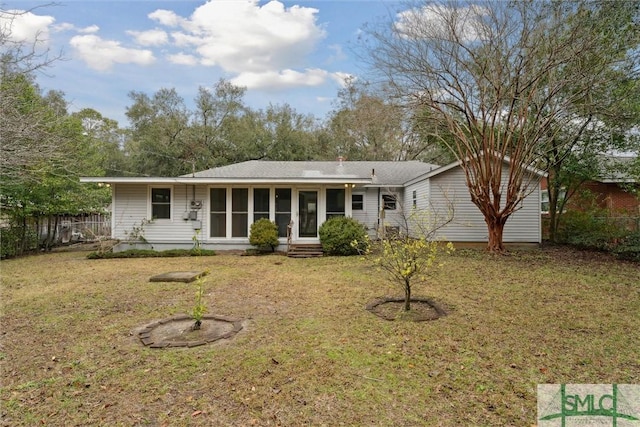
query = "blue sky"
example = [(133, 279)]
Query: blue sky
[(282, 51)]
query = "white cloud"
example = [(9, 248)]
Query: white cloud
[(66, 26), (150, 37), (246, 38), (89, 30), (101, 54), (342, 78), (166, 17), (182, 59), (274, 80), (435, 20), (20, 26)]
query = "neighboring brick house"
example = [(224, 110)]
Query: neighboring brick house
[(616, 197), (615, 191)]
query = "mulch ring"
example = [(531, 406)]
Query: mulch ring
[(178, 331), (392, 308)]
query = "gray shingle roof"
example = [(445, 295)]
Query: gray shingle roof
[(386, 173)]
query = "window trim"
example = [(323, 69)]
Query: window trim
[(150, 201), (210, 211), (252, 200), (235, 214), (395, 202), (545, 192), (331, 214), (362, 195)]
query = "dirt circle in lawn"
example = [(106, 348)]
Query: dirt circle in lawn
[(178, 331), (392, 308)]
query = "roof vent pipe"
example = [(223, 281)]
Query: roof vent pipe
[(340, 160)]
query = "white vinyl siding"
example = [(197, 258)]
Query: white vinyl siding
[(421, 190), (131, 208), (393, 217), (369, 214), (468, 224)]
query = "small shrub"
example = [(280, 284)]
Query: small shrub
[(629, 247), (591, 229), (150, 253), (15, 241), (264, 234), (338, 234)]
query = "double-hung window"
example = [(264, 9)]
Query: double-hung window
[(239, 212), (389, 202), (218, 215), (357, 202), (161, 203), (261, 198), (335, 202)]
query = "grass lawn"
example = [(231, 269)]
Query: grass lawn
[(310, 353)]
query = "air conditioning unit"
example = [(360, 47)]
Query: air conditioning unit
[(195, 204)]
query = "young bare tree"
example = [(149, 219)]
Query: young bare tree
[(502, 77), (409, 255)]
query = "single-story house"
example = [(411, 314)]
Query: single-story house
[(220, 204), (614, 189)]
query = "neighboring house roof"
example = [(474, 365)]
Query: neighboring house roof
[(615, 169), (369, 173)]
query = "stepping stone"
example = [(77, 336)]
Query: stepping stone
[(178, 276)]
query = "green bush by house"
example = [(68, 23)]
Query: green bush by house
[(338, 233), (264, 234)]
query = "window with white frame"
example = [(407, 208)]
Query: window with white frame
[(335, 202), (357, 202), (261, 197), (218, 214), (414, 197), (544, 200), (161, 203), (389, 202), (239, 212), (283, 210)]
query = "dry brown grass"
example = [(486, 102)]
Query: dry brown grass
[(311, 354)]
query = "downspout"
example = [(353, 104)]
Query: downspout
[(378, 214)]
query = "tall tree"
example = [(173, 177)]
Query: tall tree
[(158, 129), (503, 78), (604, 121), (366, 125), (215, 111), (107, 138)]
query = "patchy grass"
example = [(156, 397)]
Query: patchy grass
[(311, 354)]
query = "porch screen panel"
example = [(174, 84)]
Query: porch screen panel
[(335, 202), (260, 203), (218, 197), (283, 210), (239, 212)]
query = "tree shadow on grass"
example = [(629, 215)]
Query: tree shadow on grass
[(392, 308)]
